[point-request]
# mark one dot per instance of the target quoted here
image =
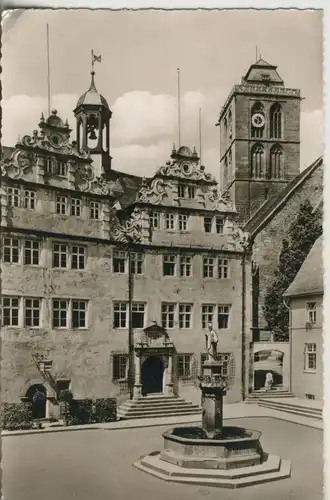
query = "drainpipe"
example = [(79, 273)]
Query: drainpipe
[(243, 327), (130, 328), (290, 342)]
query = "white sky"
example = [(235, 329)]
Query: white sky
[(140, 53)]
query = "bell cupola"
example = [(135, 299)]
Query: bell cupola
[(93, 116)]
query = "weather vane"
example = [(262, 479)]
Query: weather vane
[(95, 59)]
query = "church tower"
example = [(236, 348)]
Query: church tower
[(259, 138), (93, 127)]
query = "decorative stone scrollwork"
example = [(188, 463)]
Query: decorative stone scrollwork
[(101, 186), (219, 202), (83, 176), (155, 192), (18, 164), (40, 141), (185, 170), (129, 231)]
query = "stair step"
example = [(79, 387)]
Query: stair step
[(146, 406), (303, 412), (152, 415), (157, 410), (292, 406)]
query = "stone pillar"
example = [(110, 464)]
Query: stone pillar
[(213, 386), (169, 382), (137, 377)]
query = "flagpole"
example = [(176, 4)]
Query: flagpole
[(256, 53), (179, 111), (200, 136), (48, 70)]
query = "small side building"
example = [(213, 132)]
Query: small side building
[(305, 299)]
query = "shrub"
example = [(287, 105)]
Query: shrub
[(65, 396), (81, 411), (16, 416), (106, 410)]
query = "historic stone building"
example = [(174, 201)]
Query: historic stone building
[(98, 265), (259, 138)]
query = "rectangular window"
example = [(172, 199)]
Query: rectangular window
[(32, 312), (119, 262), (78, 257), (191, 192), (223, 268), (310, 357), (155, 220), (168, 315), (12, 197), (120, 315), (183, 222), (184, 365), (311, 310), (76, 207), (169, 265), (219, 225), (119, 366), (207, 315), (138, 310), (61, 168), (11, 250), (60, 255), (60, 313), (208, 267), (61, 205), (10, 311), (30, 199), (94, 210), (181, 191), (223, 316), (169, 221), (49, 165), (185, 315), (208, 224), (31, 252), (136, 263), (185, 265), (79, 310)]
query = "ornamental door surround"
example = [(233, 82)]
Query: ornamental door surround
[(155, 342)]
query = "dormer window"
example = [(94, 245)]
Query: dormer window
[(181, 191), (61, 168), (186, 192), (56, 167), (191, 192)]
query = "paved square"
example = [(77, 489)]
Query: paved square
[(97, 464)]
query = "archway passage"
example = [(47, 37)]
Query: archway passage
[(268, 361), (152, 375), (37, 396)]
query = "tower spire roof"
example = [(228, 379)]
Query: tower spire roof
[(92, 97)]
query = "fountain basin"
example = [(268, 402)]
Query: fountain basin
[(188, 447)]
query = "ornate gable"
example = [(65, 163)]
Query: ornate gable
[(183, 173)]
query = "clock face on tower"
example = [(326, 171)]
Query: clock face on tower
[(258, 120)]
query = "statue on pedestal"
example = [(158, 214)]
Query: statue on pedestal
[(211, 339)]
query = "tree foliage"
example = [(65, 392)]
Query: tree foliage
[(302, 234)]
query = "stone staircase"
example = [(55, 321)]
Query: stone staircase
[(153, 406), (301, 407), (256, 396)]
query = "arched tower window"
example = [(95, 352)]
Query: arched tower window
[(257, 120), (276, 121), (276, 163), (225, 172), (230, 124), (257, 162)]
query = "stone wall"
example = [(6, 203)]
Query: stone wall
[(268, 242)]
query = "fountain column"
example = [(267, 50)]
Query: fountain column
[(213, 386)]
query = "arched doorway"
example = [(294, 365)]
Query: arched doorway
[(270, 360), (152, 375), (37, 396)]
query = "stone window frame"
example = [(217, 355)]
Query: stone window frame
[(137, 263), (185, 315), (183, 221), (311, 312), (170, 259), (310, 364), (94, 210), (11, 311), (35, 307), (186, 361), (208, 265), (11, 249), (185, 264), (34, 250), (30, 199), (207, 316), (69, 254), (223, 312), (223, 268), (169, 315), (121, 314), (13, 196), (119, 262), (120, 363), (276, 121), (155, 220), (76, 206), (66, 305), (170, 221)]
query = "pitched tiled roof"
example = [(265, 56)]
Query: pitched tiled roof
[(273, 204), (309, 280)]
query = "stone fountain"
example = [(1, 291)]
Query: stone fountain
[(214, 454)]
